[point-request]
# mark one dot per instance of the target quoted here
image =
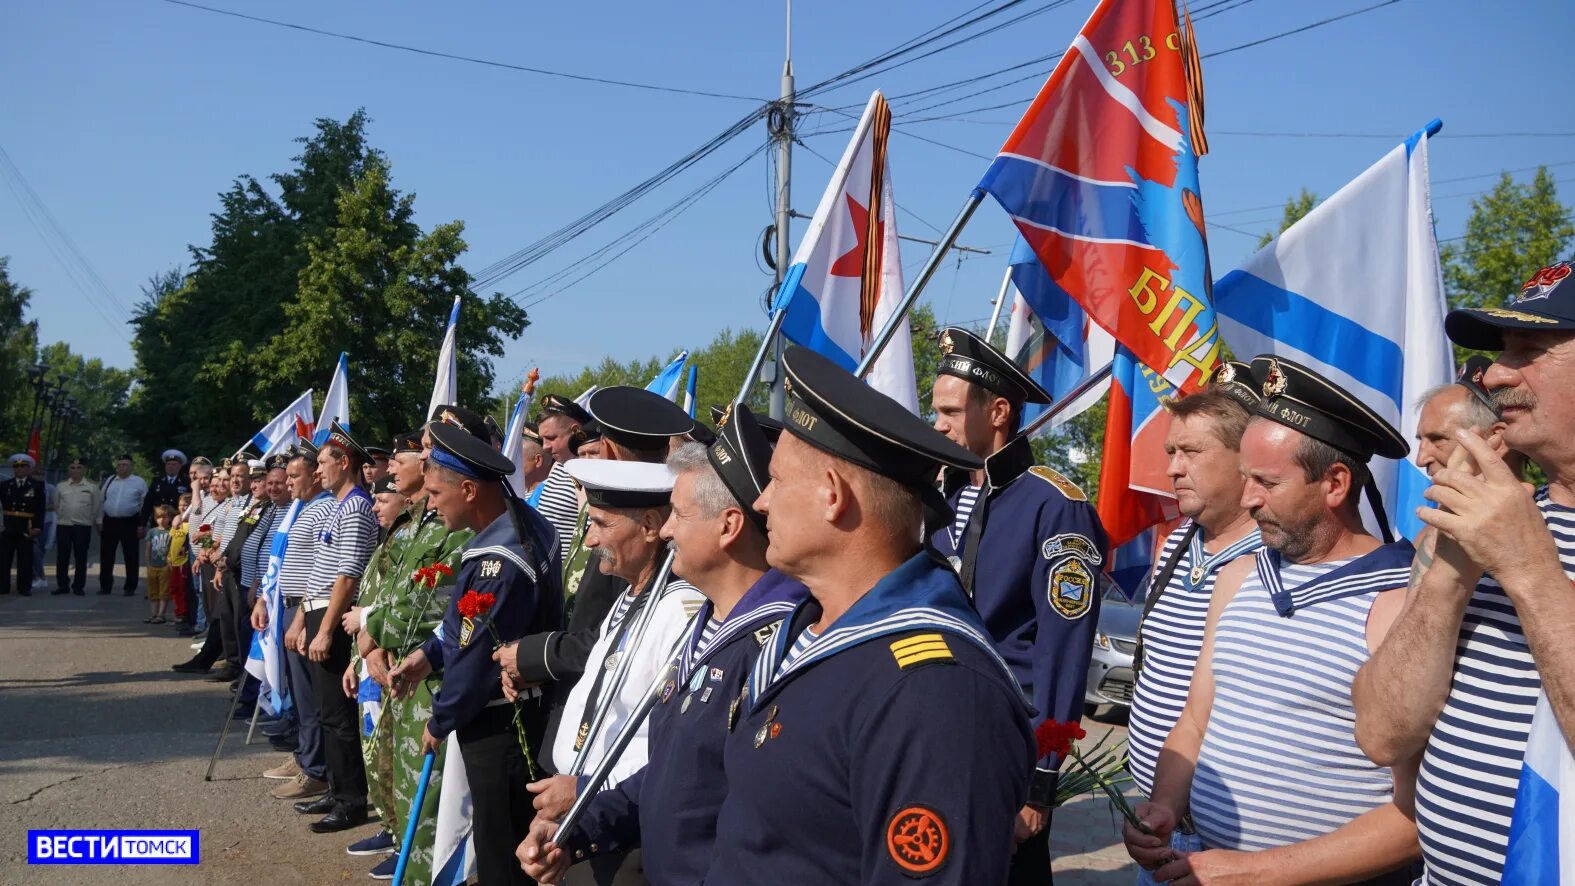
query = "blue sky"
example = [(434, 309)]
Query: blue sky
[(127, 118)]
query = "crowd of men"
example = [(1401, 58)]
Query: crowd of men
[(817, 650)]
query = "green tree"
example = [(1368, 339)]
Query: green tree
[(377, 288), (1296, 208), (334, 263), (18, 342), (100, 393), (1514, 229)]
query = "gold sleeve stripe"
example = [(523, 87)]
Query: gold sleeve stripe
[(924, 647)]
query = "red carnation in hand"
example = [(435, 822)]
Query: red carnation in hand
[(474, 604), (1056, 737)]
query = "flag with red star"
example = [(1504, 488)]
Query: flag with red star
[(846, 277)]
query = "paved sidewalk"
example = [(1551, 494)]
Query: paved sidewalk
[(97, 732)]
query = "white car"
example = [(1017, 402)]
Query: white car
[(1110, 674)]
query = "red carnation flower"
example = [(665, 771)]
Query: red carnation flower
[(1056, 737), (475, 604)]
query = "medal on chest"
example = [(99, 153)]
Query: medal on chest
[(769, 729), (1198, 572)]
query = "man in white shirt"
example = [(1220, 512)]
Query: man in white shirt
[(120, 525), (77, 506)]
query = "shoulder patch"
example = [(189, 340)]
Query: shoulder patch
[(763, 635), (918, 840), (491, 568), (1071, 490), (1071, 589), (920, 648), (692, 606)]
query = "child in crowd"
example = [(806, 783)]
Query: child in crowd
[(179, 558), (156, 553)]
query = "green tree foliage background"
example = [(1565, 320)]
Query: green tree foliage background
[(334, 262)]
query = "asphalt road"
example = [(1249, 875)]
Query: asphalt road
[(97, 732)]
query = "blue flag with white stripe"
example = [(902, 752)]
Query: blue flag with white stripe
[(1354, 291), (284, 428), (689, 391), (669, 380), (1542, 827), (336, 403), (445, 387), (266, 659)]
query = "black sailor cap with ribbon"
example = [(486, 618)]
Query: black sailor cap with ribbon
[(1303, 400), (741, 456), (972, 359)]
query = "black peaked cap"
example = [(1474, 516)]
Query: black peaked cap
[(474, 454), (638, 418), (972, 359), (561, 405), (768, 425), (278, 460), (304, 448), (468, 420), (1303, 400), (1544, 302), (410, 441), (834, 411), (1235, 379), (384, 483), (1471, 375), (339, 435), (741, 456)]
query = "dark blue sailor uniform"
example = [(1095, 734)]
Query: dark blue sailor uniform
[(895, 746), (670, 807), (524, 577), (23, 501), (1033, 571), (165, 490)]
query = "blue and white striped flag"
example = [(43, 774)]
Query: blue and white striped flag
[(453, 855), (266, 661), (669, 380), (1354, 292), (511, 443), (445, 388), (689, 391), (336, 403), (1542, 828), (283, 428), (1052, 339)]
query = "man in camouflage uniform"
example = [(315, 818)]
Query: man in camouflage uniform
[(405, 613)]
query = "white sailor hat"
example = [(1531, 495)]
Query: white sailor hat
[(256, 467), (622, 484), (175, 454)]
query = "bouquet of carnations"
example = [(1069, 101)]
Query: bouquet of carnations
[(1101, 768)]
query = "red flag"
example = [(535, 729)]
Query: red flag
[(1100, 176), (33, 446)]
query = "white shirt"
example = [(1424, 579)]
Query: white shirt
[(123, 496), (668, 623)]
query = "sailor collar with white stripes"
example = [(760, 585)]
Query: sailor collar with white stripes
[(769, 600), (497, 543), (1203, 564), (1384, 568), (920, 595)]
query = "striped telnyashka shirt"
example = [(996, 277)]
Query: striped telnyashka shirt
[(1172, 637), (966, 499), (295, 571), (1465, 791), (560, 506), (1279, 762), (346, 538)]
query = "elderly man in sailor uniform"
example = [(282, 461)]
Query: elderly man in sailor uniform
[(1264, 756), (670, 807), (880, 738), (1043, 549), (629, 503), (507, 586)]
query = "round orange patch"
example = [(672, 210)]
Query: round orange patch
[(918, 840)]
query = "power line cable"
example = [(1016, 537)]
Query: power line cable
[(584, 78)]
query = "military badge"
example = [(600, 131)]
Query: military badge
[(1224, 375), (1071, 589), (467, 627), (1198, 572), (1274, 381), (947, 345), (716, 675), (918, 840), (667, 690), (697, 679), (491, 568), (688, 700), (1071, 544), (1543, 282)]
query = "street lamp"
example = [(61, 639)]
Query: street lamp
[(41, 386)]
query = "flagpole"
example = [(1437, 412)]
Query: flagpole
[(1000, 299), (1059, 406), (931, 264)]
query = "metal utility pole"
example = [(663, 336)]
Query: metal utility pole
[(780, 124)]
